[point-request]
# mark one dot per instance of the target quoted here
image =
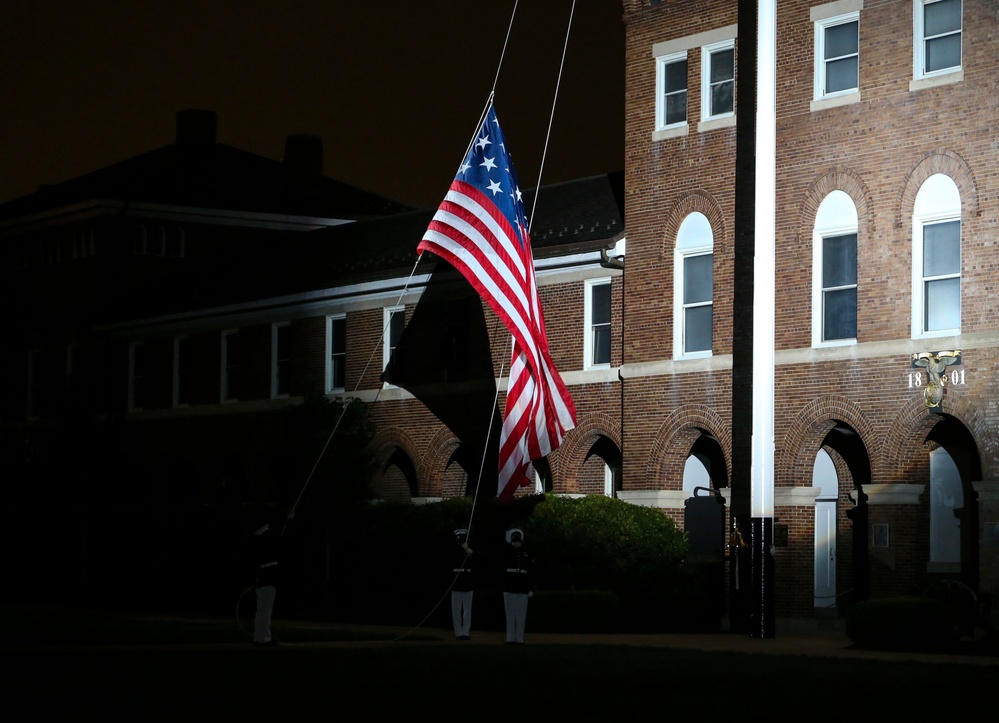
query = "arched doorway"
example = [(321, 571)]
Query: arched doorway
[(397, 481), (841, 469), (705, 465), (601, 470), (826, 480), (954, 464)]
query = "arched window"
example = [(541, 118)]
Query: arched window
[(936, 258), (834, 271), (693, 287)]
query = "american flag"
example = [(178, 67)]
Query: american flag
[(481, 229)]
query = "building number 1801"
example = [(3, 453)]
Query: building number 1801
[(955, 378)]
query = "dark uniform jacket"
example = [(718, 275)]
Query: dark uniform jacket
[(463, 581), (518, 575), (264, 549)]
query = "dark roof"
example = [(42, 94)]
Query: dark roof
[(214, 176), (574, 214), (571, 217)]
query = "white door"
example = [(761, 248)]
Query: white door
[(824, 477)]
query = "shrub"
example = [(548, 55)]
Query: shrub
[(399, 560)]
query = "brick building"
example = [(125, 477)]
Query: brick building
[(887, 209), (885, 259), (164, 312)]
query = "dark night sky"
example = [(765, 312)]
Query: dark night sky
[(393, 87)]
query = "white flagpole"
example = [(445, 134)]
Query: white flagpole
[(762, 484)]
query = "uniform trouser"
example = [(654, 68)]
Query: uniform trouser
[(461, 611), (265, 606), (516, 615)]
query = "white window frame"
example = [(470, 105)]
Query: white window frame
[(919, 48), (937, 201), (688, 247), (588, 335), (821, 26), (833, 219), (330, 320), (224, 395), (387, 313), (707, 52), (661, 63), (275, 360)]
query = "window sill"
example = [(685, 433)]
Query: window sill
[(832, 343), (936, 334), (946, 79), (674, 132), (834, 101), (693, 356), (716, 123)]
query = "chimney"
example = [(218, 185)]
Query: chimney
[(303, 153), (196, 127)]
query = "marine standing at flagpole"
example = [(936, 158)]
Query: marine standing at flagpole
[(518, 584), (463, 587)]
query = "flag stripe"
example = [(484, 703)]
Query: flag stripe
[(480, 228)]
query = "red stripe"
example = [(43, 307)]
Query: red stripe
[(520, 440)]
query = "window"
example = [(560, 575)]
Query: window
[(597, 330), (177, 243), (717, 47), (230, 366), (937, 40), (671, 97), (394, 322), (181, 371), (837, 55), (834, 269), (694, 287), (136, 375), (936, 258), (281, 360), (159, 243), (718, 80), (336, 353)]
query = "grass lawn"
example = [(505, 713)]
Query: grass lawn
[(186, 667)]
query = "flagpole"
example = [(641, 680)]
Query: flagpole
[(762, 483)]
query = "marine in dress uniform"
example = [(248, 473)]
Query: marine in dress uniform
[(518, 584), (265, 554), (461, 590)]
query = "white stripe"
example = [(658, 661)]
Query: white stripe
[(486, 252), (517, 306), (517, 314), (495, 228)]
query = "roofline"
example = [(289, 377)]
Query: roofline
[(108, 207), (380, 291)]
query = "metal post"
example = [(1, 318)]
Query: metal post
[(764, 282)]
